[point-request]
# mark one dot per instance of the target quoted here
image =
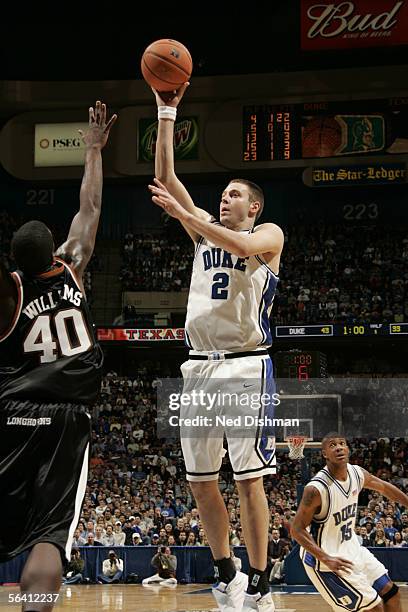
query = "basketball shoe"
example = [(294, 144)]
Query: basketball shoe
[(230, 597), (256, 602)]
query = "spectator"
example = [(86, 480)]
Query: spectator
[(168, 510), (90, 528), (365, 540), (277, 573), (380, 539), (90, 540), (118, 535), (163, 537), (75, 568), (165, 565), (275, 547), (370, 532), (389, 528), (78, 540), (155, 539), (82, 531), (112, 569), (277, 524), (108, 538), (99, 535), (398, 542), (137, 539), (358, 534)]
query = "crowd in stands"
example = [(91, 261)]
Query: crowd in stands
[(343, 274), (137, 494), (339, 274), (156, 263)]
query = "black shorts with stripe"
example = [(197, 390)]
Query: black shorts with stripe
[(44, 458)]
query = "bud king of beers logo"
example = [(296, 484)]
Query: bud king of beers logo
[(356, 23)]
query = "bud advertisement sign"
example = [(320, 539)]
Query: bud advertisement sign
[(58, 144), (185, 138), (354, 23)]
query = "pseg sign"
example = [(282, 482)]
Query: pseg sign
[(58, 144)]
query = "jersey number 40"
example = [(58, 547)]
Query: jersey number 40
[(71, 331)]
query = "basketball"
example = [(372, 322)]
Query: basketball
[(166, 64), (321, 137)]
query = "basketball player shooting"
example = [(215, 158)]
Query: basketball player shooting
[(228, 332), (50, 369), (346, 574)]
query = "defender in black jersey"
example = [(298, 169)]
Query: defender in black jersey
[(50, 370)]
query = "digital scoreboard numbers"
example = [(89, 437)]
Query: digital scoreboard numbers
[(269, 133), (341, 330), (398, 328), (300, 365)]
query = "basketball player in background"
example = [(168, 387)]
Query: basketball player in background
[(228, 331), (346, 574), (50, 369)]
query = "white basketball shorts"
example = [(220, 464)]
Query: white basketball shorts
[(238, 384), (355, 591)]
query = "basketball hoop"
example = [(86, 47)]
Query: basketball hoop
[(296, 446)]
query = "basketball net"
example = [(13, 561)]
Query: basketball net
[(296, 446)]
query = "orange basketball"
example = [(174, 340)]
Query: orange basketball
[(166, 64)]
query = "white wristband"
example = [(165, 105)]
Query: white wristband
[(167, 112)]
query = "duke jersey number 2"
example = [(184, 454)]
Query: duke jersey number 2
[(230, 301)]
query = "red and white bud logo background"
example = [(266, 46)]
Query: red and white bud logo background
[(343, 24)]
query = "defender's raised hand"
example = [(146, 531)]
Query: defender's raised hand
[(98, 131)]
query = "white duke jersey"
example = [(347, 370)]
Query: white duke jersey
[(333, 527), (230, 301)]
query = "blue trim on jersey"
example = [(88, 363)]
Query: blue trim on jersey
[(187, 340), (260, 313), (266, 266), (199, 243), (326, 517), (264, 434), (339, 589), (360, 483), (380, 583), (310, 560), (338, 483), (267, 299)]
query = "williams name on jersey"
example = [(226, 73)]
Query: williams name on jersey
[(49, 353)]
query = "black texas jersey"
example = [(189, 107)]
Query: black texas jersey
[(49, 353)]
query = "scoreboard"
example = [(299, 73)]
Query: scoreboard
[(323, 129), (341, 330), (300, 365), (269, 133)]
